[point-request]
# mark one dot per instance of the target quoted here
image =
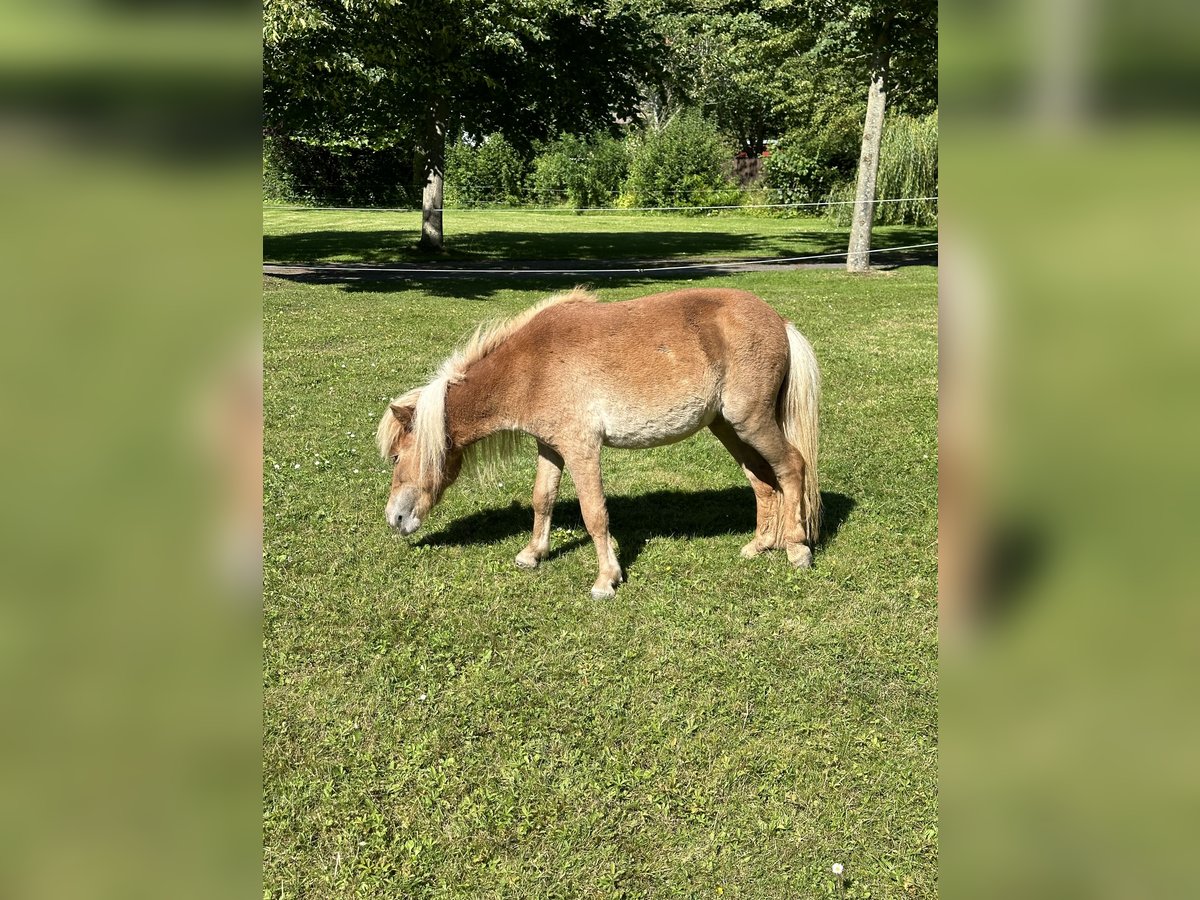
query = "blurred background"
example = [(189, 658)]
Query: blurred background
[(1068, 437), (129, 634)]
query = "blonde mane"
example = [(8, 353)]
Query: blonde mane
[(429, 402)]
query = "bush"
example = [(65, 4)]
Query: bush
[(491, 171), (295, 172), (681, 164), (908, 167), (796, 172), (582, 172)]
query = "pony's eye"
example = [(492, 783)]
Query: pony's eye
[(394, 458)]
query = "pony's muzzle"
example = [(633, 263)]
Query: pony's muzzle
[(407, 525), (399, 512), (404, 523)]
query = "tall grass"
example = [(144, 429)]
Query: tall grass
[(908, 167)]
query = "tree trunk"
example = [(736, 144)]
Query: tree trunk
[(434, 166), (432, 237), (859, 258)]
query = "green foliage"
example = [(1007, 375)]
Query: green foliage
[(725, 59), (680, 164), (908, 168), (841, 214), (858, 37), (409, 72), (298, 172), (491, 171), (762, 70), (797, 172), (405, 74), (580, 172)]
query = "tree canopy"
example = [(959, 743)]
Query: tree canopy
[(385, 73), (763, 68), (376, 73)]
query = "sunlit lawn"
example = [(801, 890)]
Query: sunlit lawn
[(439, 723)]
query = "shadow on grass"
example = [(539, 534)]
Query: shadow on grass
[(399, 246), (485, 285), (483, 289), (394, 246), (635, 520)]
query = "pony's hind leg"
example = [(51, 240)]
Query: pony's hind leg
[(545, 491), (765, 436), (768, 531), (585, 472)]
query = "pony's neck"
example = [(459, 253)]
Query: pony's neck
[(476, 407)]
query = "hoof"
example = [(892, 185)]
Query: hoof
[(599, 592), (527, 559), (800, 556), (751, 550)]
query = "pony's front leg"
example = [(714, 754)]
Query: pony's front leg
[(585, 472), (545, 491)]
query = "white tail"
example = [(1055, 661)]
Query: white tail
[(799, 400)]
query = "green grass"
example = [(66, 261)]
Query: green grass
[(376, 237), (439, 723)]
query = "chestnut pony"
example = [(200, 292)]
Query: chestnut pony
[(577, 374)]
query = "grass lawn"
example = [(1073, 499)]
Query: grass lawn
[(298, 236), (439, 723)]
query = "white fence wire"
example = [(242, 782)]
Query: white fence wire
[(571, 209)]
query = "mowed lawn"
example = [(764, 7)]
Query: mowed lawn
[(439, 723), (322, 235)]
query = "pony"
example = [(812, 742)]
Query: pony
[(578, 374)]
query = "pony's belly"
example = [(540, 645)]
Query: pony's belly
[(629, 428)]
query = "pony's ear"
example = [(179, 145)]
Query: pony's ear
[(404, 415)]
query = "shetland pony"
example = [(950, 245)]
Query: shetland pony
[(577, 374)]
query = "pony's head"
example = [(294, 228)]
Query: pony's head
[(412, 436)]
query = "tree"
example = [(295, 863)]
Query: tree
[(900, 42), (858, 257), (726, 57), (411, 73), (893, 47), (726, 63)]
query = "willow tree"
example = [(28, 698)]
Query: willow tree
[(410, 74)]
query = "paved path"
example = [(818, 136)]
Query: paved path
[(549, 268)]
